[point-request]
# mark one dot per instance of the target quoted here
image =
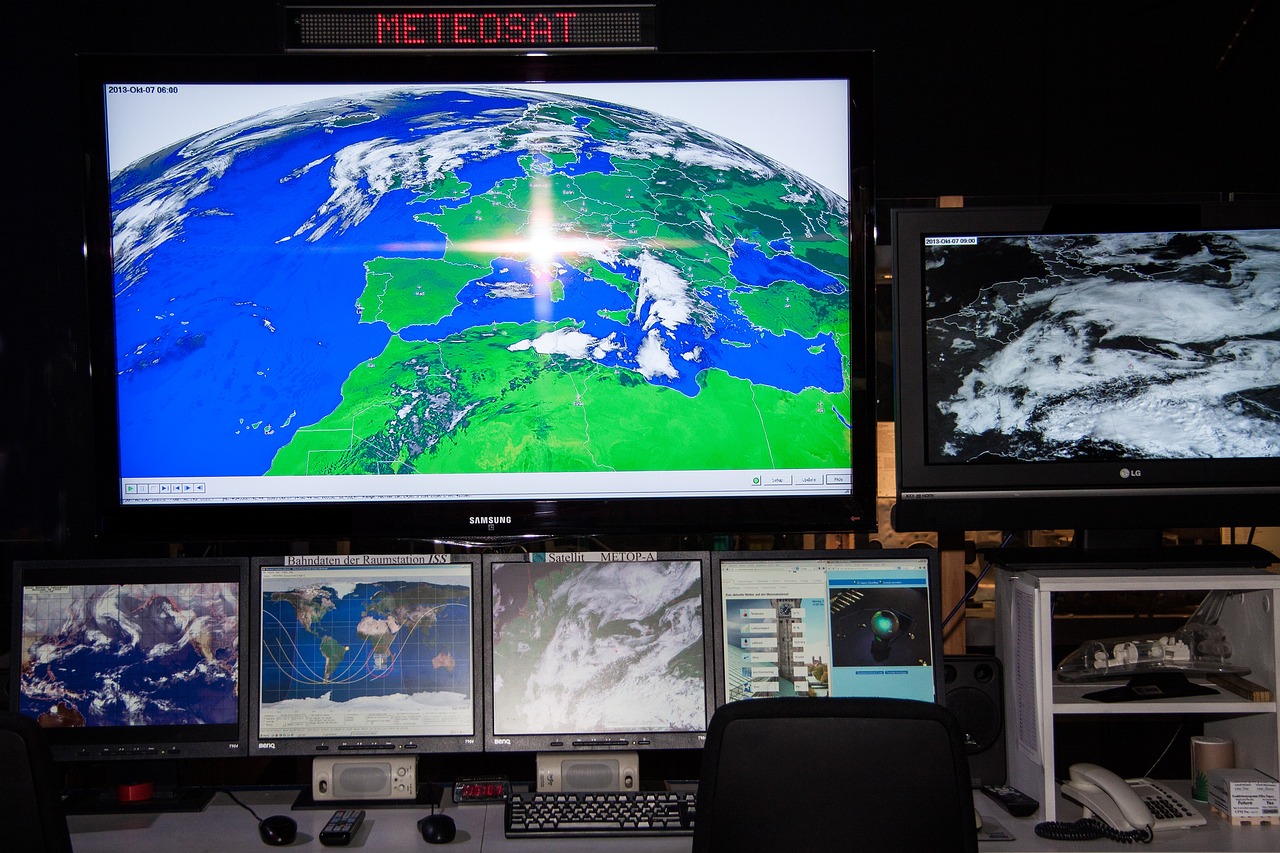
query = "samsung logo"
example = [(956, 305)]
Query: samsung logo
[(490, 519)]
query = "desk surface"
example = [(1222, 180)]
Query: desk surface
[(225, 826)]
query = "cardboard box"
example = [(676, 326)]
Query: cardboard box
[(1244, 796)]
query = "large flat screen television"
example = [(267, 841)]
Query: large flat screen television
[(1090, 367), (360, 654), (132, 659), (828, 623), (597, 651), (501, 295)]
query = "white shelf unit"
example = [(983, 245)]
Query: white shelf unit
[(1035, 699)]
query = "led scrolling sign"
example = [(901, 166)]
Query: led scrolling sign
[(464, 28)]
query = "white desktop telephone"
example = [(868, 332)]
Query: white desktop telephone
[(1128, 804)]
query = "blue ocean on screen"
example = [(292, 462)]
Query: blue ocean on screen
[(240, 258), (347, 652)]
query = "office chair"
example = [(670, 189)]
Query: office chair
[(29, 789), (834, 775)]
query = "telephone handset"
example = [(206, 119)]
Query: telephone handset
[(1128, 804)]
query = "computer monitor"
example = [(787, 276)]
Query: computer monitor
[(597, 651), (132, 658), (1090, 367), (427, 296), (828, 623), (365, 654)]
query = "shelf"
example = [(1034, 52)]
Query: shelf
[(1036, 699)]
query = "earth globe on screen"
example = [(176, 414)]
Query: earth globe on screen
[(443, 280)]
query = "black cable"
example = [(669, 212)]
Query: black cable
[(240, 803), (1089, 828), (973, 587)]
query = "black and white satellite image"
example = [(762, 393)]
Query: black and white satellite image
[(1097, 347)]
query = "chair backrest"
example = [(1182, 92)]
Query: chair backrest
[(834, 774), (29, 789)]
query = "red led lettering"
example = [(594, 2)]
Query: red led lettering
[(409, 24), (540, 28), (439, 19), (471, 28), (566, 18), (388, 22), (490, 28), (515, 30), (461, 23)]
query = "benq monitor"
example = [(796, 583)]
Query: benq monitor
[(359, 654), (597, 651), (428, 296)]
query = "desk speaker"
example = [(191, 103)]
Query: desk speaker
[(605, 771), (370, 778), (975, 694)]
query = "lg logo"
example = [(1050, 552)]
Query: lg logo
[(1126, 473)]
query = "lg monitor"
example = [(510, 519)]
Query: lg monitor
[(828, 623), (1099, 368), (429, 296), (603, 651), (365, 654)]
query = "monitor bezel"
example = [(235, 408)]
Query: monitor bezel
[(466, 518), (371, 744), (570, 742), (141, 743), (851, 555), (1171, 493)]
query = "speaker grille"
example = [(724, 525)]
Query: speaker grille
[(594, 775), (975, 696), (364, 779)]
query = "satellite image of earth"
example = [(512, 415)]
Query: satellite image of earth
[(136, 655), (458, 280), (598, 647), (1137, 346), (394, 641)]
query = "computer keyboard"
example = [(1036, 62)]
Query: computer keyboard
[(629, 813)]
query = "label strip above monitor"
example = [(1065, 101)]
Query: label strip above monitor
[(469, 28)]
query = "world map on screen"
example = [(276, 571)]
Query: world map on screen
[(475, 279), (387, 644)]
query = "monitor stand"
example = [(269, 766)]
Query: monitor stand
[(142, 788), (1130, 550)]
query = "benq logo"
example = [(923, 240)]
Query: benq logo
[(266, 745), (490, 519), (1126, 473), (502, 741)]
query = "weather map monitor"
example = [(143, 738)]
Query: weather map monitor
[(358, 654), (597, 651), (418, 296), (1088, 366), (132, 659), (837, 623)]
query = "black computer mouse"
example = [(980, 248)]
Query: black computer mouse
[(278, 830), (437, 829)]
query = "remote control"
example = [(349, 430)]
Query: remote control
[(342, 827), (1014, 801)]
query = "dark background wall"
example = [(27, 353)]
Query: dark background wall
[(1002, 102)]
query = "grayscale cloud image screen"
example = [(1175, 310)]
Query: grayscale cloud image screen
[(1085, 347)]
